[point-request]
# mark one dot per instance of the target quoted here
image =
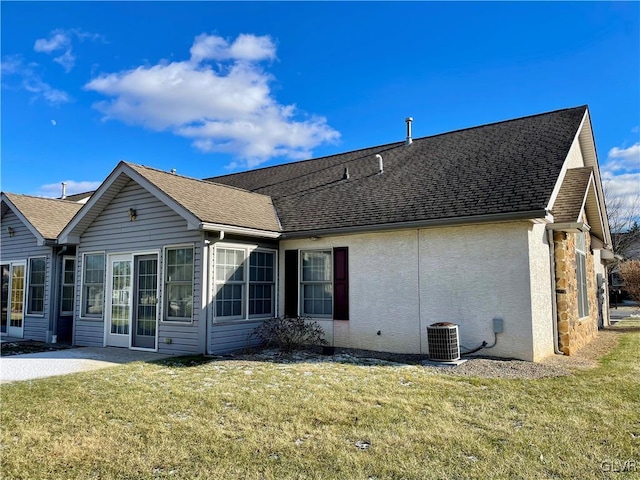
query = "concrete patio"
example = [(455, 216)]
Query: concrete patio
[(62, 362)]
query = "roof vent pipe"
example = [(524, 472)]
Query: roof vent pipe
[(64, 190), (409, 140), (380, 164), (345, 175)]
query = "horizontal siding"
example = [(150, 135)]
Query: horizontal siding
[(89, 334), (35, 328), (155, 227), (22, 246), (183, 338), (233, 336)]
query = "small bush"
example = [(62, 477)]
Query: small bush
[(290, 333)]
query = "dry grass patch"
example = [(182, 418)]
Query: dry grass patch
[(195, 418)]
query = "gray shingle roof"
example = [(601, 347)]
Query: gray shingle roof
[(500, 168), (214, 203), (570, 199), (47, 215)]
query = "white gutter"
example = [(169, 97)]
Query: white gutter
[(218, 227), (570, 227), (451, 221)]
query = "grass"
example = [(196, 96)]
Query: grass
[(213, 419)]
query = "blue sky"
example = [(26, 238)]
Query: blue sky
[(209, 88)]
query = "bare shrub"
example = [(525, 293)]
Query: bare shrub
[(630, 273), (290, 333)]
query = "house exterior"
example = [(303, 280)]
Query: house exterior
[(501, 224), (38, 285)]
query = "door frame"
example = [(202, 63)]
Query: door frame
[(129, 256), (23, 264)]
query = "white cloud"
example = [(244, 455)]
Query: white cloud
[(31, 81), (59, 40), (62, 40), (245, 48), (54, 190), (227, 108), (621, 177), (621, 160), (633, 152)]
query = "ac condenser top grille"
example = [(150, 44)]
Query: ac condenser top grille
[(443, 342)]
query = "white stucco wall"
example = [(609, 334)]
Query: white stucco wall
[(383, 290), (542, 297), (401, 282), (601, 270), (473, 274)]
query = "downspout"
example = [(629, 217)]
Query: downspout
[(554, 301)]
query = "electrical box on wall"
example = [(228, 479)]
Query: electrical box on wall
[(498, 326)]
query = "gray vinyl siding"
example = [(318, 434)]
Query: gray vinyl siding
[(155, 227), (229, 337), (22, 246)]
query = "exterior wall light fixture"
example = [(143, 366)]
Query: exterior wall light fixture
[(132, 214)]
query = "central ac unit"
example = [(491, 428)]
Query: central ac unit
[(443, 342)]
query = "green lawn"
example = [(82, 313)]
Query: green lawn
[(242, 419)]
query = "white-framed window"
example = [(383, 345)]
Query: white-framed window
[(68, 289), (178, 283), (35, 292), (244, 282), (581, 275), (92, 285), (316, 283)]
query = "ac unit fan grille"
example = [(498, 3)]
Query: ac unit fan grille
[(443, 343)]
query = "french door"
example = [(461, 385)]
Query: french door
[(12, 300), (132, 301)]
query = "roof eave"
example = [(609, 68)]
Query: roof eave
[(441, 222)]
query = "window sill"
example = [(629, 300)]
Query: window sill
[(239, 320)]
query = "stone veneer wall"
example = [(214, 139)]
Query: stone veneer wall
[(573, 332)]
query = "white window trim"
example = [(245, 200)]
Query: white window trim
[(301, 282), (175, 320), (245, 317), (27, 292), (81, 314), (68, 313), (586, 283)]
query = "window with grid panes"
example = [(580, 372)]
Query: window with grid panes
[(178, 284), (316, 284)]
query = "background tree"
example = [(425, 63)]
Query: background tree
[(630, 273), (623, 214)]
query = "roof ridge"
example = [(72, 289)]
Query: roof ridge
[(205, 181), (524, 117), (39, 197), (402, 142)]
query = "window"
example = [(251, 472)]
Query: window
[(581, 275), (316, 283), (178, 291), (37, 269), (68, 285), (92, 284), (230, 281), (233, 282), (261, 283)]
